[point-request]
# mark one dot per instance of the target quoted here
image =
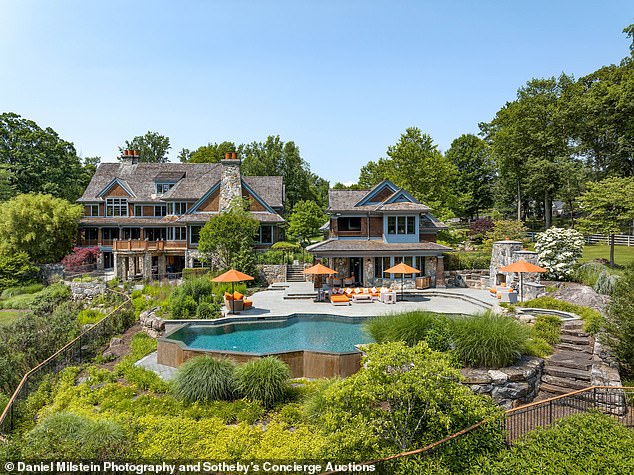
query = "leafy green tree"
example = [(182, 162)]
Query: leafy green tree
[(152, 147), (305, 221), (416, 164), (228, 236), (403, 398), (505, 229), (42, 226), (212, 152), (476, 172), (608, 206), (15, 267), (341, 186), (529, 142), (37, 160), (7, 189)]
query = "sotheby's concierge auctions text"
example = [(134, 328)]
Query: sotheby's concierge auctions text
[(184, 468)]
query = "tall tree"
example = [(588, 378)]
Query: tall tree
[(476, 172), (7, 190), (305, 221), (530, 143), (416, 164), (212, 152), (38, 161), (40, 225), (608, 207), (152, 147)]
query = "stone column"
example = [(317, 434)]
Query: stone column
[(440, 272), (100, 261), (99, 236), (162, 266), (368, 271), (147, 266)]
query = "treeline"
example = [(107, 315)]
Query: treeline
[(555, 137)]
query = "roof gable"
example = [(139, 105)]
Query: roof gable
[(116, 182), (204, 198), (401, 196), (373, 195)]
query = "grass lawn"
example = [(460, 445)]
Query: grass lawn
[(623, 255), (8, 316)]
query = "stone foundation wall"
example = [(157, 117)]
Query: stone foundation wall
[(467, 278), (272, 273), (509, 387), (605, 372), (86, 290)]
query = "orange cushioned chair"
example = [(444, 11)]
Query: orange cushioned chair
[(339, 300)]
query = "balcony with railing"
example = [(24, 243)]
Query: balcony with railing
[(147, 245)]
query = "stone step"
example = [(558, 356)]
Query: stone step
[(551, 390), (563, 372), (571, 359), (571, 384), (574, 348), (575, 340), (578, 332), (573, 324)]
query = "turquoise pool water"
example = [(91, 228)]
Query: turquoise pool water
[(307, 332)]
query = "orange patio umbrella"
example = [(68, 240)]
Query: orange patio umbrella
[(522, 267), (402, 269), (319, 269), (232, 276)]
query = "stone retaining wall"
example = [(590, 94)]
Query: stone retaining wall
[(605, 372), (509, 387), (51, 273), (467, 278), (272, 273), (86, 290)]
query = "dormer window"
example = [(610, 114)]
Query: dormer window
[(162, 188), (401, 225)]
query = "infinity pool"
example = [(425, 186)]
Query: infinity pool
[(313, 346), (308, 332)]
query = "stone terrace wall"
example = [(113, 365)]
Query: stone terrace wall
[(86, 290), (509, 387), (471, 278), (272, 273)]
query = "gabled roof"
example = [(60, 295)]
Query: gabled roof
[(193, 180), (116, 181), (350, 201)]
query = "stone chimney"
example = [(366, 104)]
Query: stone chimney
[(130, 157), (230, 180)]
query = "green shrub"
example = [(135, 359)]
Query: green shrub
[(619, 325), (68, 436), (593, 320), (193, 273), (184, 300), (49, 298), (139, 303), (606, 283), (467, 260), (112, 283), (18, 302), (588, 273), (589, 443), (135, 294), (489, 340), (25, 289), (205, 379), (548, 328), (412, 327), (89, 316), (539, 347), (264, 380), (207, 310), (141, 345)]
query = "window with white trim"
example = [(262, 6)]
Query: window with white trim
[(401, 225), (116, 206)]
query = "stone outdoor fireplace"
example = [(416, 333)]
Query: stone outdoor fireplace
[(508, 252)]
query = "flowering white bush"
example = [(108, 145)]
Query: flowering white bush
[(558, 251)]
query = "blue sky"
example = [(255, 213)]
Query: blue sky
[(343, 79)]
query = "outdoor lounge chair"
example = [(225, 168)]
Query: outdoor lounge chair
[(339, 300), (237, 302)]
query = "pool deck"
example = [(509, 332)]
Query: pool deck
[(273, 302)]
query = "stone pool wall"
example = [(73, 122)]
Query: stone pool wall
[(511, 386), (303, 364)]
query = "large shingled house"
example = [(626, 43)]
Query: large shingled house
[(146, 217), (372, 230)]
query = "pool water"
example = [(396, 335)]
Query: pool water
[(314, 333)]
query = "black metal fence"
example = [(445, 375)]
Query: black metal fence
[(83, 348), (614, 401)]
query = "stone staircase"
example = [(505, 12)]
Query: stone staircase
[(295, 273), (569, 367)]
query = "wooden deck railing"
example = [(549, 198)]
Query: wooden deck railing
[(145, 245)]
